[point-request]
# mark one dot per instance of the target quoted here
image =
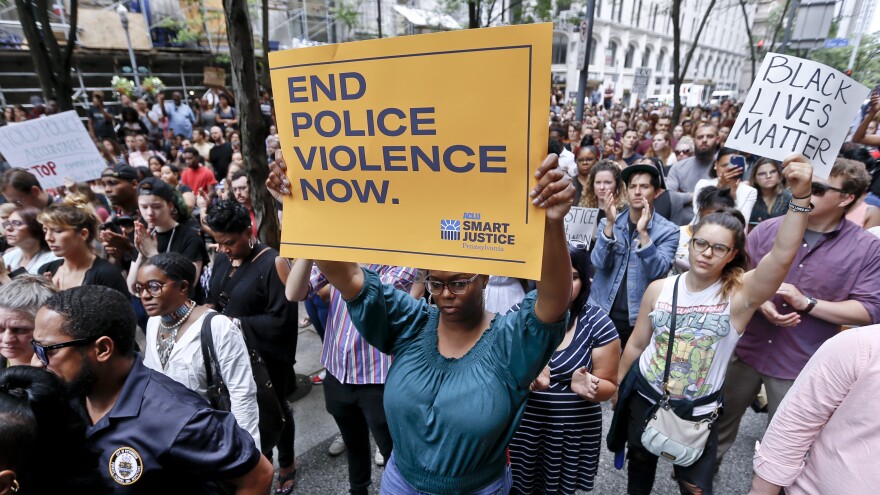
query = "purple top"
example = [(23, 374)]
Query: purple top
[(844, 264)]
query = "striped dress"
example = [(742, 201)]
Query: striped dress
[(556, 447)]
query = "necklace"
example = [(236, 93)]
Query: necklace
[(167, 335)]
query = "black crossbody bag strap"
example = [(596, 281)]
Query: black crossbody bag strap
[(208, 354), (671, 338)]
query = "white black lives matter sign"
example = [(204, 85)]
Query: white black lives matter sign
[(797, 106)]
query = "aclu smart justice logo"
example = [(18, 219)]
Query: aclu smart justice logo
[(475, 233)]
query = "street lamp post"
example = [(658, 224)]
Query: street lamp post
[(123, 18)]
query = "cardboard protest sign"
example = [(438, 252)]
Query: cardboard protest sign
[(797, 106), (641, 77), (580, 224), (417, 150), (52, 148)]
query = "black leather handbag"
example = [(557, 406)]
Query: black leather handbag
[(271, 415)]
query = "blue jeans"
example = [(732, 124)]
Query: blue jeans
[(394, 484)]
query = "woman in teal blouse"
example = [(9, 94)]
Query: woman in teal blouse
[(461, 375)]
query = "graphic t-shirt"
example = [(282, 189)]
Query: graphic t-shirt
[(704, 341)]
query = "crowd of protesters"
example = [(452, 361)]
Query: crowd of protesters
[(151, 295)]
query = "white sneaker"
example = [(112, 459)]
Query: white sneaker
[(337, 447), (380, 461)]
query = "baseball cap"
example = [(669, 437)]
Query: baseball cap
[(120, 171), (626, 173), (156, 187)]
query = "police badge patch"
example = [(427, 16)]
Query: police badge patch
[(126, 466)]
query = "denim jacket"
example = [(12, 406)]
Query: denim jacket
[(644, 263)]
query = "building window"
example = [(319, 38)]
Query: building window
[(630, 56), (660, 58), (560, 48), (646, 57), (611, 54), (593, 51)]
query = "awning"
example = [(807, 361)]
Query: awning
[(425, 18)]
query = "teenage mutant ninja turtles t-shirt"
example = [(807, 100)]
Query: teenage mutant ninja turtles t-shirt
[(704, 341)]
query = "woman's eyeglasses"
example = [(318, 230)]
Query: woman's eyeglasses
[(683, 152), (819, 189), (153, 288), (457, 287), (718, 250), (42, 351), (13, 224)]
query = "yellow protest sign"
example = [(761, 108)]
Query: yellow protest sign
[(417, 151)]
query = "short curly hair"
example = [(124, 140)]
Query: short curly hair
[(854, 176), (97, 311), (228, 217)]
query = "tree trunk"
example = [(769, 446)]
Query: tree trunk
[(680, 71), (253, 128), (779, 25), (752, 55), (379, 16), (51, 64), (676, 60), (265, 80), (473, 14)]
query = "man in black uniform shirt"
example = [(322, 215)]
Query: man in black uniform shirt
[(154, 435)]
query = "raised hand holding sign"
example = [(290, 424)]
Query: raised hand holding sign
[(797, 106)]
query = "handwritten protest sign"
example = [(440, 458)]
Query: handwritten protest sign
[(641, 76), (797, 106), (52, 148), (580, 224), (392, 158)]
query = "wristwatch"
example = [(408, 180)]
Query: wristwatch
[(811, 303)]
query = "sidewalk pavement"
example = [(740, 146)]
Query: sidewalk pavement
[(320, 474)]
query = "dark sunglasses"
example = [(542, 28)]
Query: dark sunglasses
[(42, 351), (686, 152), (819, 189)]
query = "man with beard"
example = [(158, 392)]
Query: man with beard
[(153, 434), (684, 175)]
